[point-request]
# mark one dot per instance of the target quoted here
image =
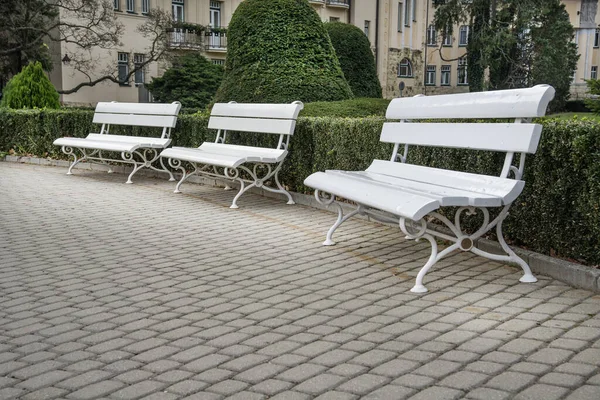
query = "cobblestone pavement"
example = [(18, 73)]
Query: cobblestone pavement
[(123, 291)]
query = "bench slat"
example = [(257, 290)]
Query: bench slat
[(393, 200), (446, 196), (265, 154), (276, 126), (98, 144), (282, 111), (480, 136), (146, 141), (506, 189), (515, 103), (137, 120), (138, 108), (202, 157)]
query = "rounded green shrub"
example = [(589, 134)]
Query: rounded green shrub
[(278, 51), (30, 88), (192, 80), (353, 50)]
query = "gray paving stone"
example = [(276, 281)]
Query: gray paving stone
[(186, 387), (138, 390), (464, 380), (363, 384), (390, 392), (96, 390), (319, 384), (438, 393), (561, 379), (414, 381), (510, 381), (488, 394), (438, 368), (586, 392), (271, 387), (546, 392)]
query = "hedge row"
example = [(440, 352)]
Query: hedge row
[(558, 212)]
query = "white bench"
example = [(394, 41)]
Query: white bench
[(137, 150), (228, 161), (410, 194)]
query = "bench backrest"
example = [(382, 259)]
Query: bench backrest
[(521, 136), (137, 114), (263, 118)]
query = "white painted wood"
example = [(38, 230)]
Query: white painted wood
[(515, 103), (202, 157), (386, 198), (264, 154), (506, 189), (98, 144), (138, 108), (136, 120), (146, 141), (447, 196), (281, 111), (275, 126), (482, 136)]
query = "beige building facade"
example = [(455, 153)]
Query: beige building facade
[(409, 52)]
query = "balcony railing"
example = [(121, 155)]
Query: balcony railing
[(338, 3), (185, 39), (216, 39)]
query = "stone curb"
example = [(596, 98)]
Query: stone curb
[(574, 274)]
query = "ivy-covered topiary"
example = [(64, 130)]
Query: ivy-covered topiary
[(192, 80), (30, 88), (278, 51), (353, 50)]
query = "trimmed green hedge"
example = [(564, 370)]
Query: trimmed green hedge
[(353, 108), (277, 52), (353, 49), (558, 212)]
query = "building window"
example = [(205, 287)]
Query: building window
[(145, 6), (367, 25), (463, 37), (138, 62), (414, 10), (400, 9), (447, 41), (430, 77), (117, 5), (215, 14), (218, 62), (445, 75), (407, 12), (334, 19), (594, 74), (431, 34), (130, 6), (597, 38), (123, 68), (405, 69), (178, 10), (462, 71)]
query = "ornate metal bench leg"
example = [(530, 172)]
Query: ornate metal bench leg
[(162, 164), (281, 188), (527, 277), (69, 151), (136, 165), (243, 188), (419, 287)]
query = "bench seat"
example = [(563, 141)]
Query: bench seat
[(225, 155), (113, 142), (413, 191)]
